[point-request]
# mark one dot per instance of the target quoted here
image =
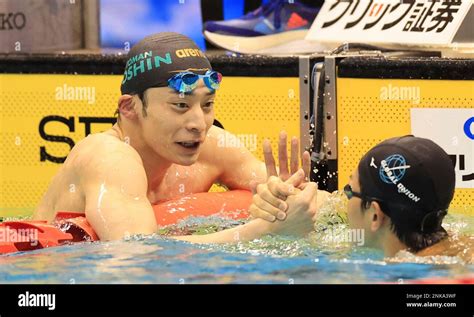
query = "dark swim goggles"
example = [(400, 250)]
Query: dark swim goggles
[(187, 81), (350, 194)]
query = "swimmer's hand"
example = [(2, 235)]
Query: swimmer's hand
[(302, 208), (270, 199), (284, 174)]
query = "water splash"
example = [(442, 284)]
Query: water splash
[(102, 192), (408, 257)]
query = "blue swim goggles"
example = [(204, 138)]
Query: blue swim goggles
[(187, 81)]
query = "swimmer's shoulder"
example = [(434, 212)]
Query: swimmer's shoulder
[(211, 144), (221, 140), (460, 246), (222, 147), (102, 150), (214, 134)]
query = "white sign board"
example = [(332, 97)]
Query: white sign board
[(389, 21), (453, 130)]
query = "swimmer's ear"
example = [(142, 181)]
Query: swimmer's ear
[(126, 107), (378, 217)]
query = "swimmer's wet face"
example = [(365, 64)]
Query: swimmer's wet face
[(174, 126), (357, 217), (162, 122)]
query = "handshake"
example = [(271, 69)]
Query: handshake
[(288, 202)]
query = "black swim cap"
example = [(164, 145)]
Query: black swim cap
[(408, 171), (157, 57)]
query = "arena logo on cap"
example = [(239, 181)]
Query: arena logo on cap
[(189, 52), (392, 170)]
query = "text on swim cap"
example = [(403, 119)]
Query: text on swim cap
[(136, 64), (403, 190), (388, 172), (188, 52)]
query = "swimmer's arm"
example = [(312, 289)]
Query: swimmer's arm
[(302, 210), (249, 170), (116, 200), (247, 232), (238, 166), (242, 169)]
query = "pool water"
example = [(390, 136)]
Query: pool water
[(271, 259)]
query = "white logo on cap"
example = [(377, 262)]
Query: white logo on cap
[(372, 163), (392, 170)]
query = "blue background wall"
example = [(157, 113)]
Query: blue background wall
[(130, 20)]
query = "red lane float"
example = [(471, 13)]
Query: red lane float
[(230, 204), (70, 227)]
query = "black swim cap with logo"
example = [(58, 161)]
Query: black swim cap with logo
[(156, 58), (409, 171)]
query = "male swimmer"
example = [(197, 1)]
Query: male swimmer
[(163, 145), (398, 195)]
